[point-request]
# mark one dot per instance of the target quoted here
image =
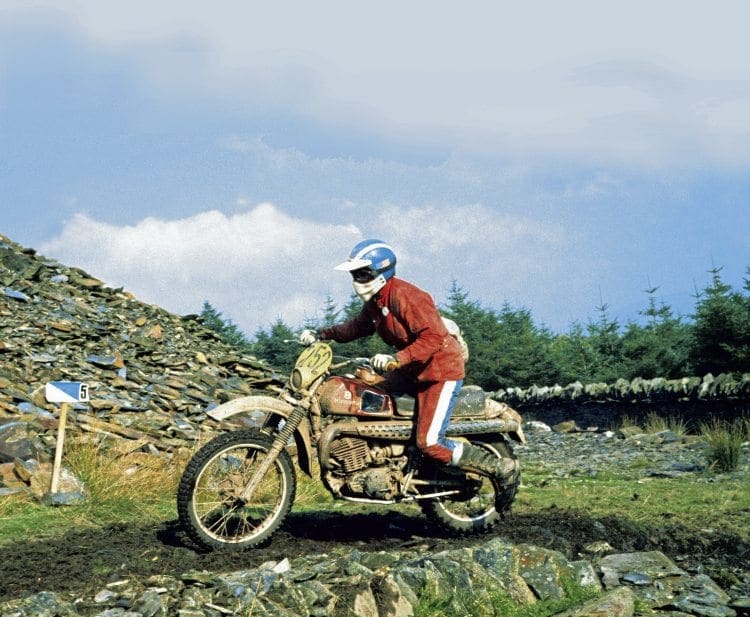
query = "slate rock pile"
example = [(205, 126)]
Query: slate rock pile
[(390, 583), (152, 374)]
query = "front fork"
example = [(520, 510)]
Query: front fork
[(279, 443)]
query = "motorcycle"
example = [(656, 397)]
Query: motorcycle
[(237, 489)]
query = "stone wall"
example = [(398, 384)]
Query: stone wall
[(691, 399)]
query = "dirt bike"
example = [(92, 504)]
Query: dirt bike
[(237, 489)]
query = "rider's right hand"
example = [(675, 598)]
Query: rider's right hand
[(308, 337)]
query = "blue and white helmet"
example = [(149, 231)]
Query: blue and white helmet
[(371, 263)]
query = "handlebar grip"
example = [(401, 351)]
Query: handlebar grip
[(392, 366)]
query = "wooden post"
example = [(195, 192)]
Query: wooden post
[(59, 447)]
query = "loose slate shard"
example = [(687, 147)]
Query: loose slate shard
[(16, 295)]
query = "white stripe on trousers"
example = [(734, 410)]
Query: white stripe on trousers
[(438, 418)]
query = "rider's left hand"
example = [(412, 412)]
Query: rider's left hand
[(383, 362)]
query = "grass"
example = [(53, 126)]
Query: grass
[(657, 424), (126, 487), (436, 602), (724, 503), (121, 486), (725, 440), (654, 423)]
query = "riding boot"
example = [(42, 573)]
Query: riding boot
[(478, 460)]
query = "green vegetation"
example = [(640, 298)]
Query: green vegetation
[(137, 488), (656, 424), (508, 349), (645, 505), (120, 487), (437, 602), (725, 442), (227, 330)]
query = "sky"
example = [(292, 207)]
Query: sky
[(550, 156)]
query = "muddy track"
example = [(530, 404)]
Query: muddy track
[(84, 561)]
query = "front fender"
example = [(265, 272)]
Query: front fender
[(273, 406), (247, 404)]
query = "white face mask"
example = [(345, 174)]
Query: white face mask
[(367, 290)]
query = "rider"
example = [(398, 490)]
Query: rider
[(428, 362)]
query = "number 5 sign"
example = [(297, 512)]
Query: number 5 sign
[(66, 392)]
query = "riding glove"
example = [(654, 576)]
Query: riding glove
[(308, 337), (383, 362)]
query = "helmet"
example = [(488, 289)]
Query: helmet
[(371, 263)]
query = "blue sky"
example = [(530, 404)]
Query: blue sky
[(554, 156)]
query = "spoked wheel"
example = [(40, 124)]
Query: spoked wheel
[(479, 507), (209, 502)]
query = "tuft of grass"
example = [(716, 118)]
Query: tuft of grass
[(656, 424), (725, 442), (115, 477), (627, 422)]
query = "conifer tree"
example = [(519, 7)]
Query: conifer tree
[(228, 331), (660, 347), (721, 336), (278, 346)]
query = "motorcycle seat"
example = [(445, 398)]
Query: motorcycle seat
[(469, 402)]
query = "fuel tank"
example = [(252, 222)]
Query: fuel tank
[(345, 396)]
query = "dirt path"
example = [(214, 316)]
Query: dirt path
[(84, 561)]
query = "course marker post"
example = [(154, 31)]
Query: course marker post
[(65, 393)]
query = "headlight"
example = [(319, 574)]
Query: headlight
[(296, 379)]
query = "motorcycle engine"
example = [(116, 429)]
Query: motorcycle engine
[(378, 483), (367, 471)]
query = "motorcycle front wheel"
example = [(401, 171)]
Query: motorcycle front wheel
[(209, 503), (479, 508)]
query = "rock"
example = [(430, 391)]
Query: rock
[(600, 547), (653, 564), (625, 432), (619, 602), (457, 579), (536, 426), (569, 426), (17, 442), (699, 595)]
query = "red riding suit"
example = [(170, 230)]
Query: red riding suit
[(430, 363)]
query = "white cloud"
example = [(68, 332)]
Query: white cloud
[(495, 257), (262, 265), (254, 267)]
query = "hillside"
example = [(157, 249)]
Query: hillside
[(151, 374)]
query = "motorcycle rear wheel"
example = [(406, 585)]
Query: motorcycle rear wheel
[(480, 508), (208, 498)]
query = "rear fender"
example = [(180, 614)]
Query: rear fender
[(271, 406)]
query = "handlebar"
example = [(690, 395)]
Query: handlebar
[(357, 362)]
